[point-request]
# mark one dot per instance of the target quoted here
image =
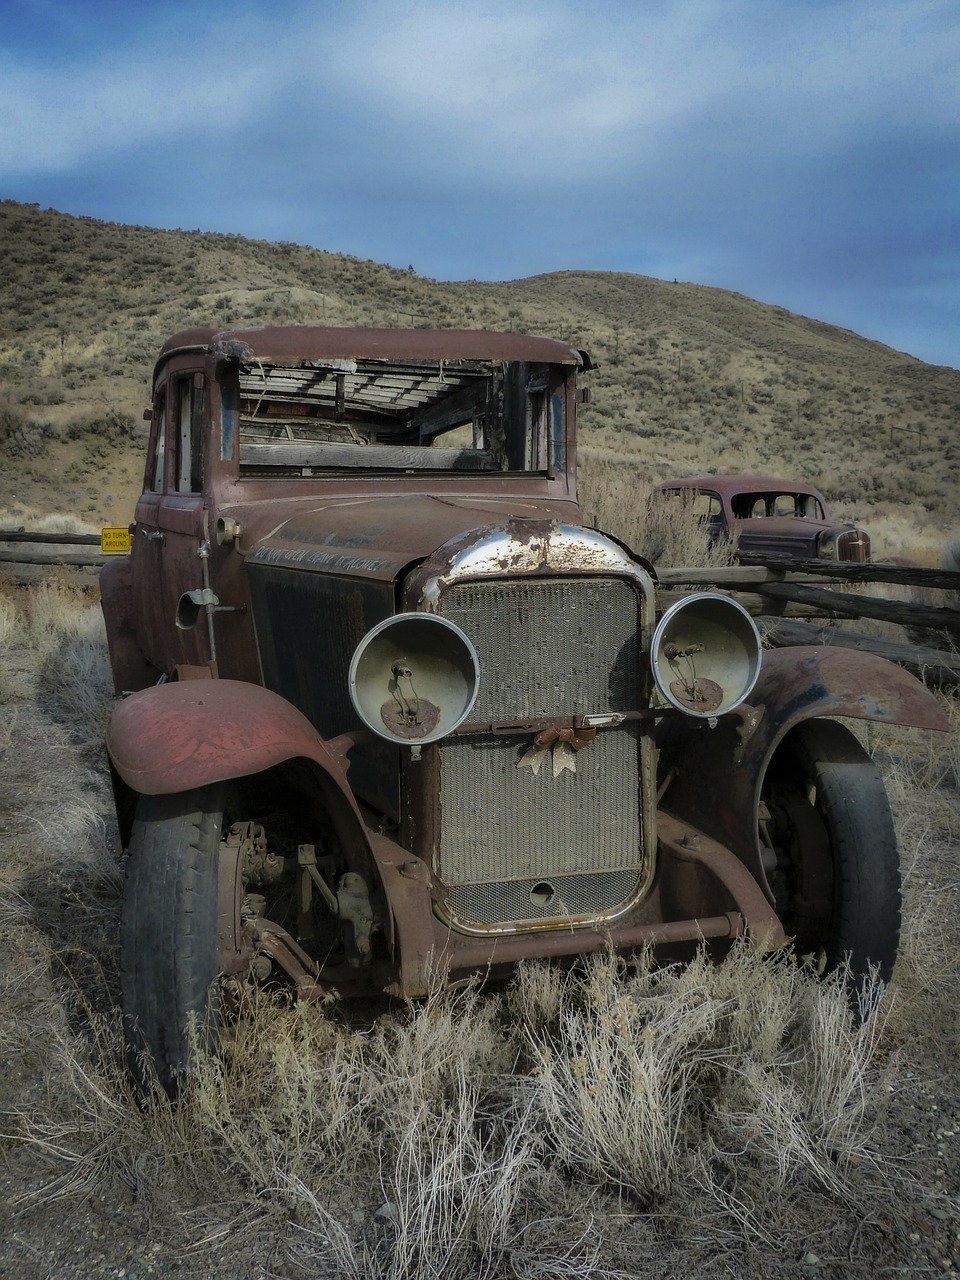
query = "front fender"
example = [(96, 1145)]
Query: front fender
[(712, 777), (191, 733)]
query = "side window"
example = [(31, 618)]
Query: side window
[(229, 416), (785, 504), (188, 477), (159, 446), (706, 506)]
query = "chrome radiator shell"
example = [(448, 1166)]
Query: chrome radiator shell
[(517, 849)]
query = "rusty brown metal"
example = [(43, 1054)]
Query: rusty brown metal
[(175, 737), (791, 534), (308, 342), (379, 536), (680, 841), (714, 776), (296, 561)]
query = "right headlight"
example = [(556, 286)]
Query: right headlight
[(705, 654)]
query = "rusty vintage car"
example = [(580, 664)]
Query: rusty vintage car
[(767, 516), (389, 715)]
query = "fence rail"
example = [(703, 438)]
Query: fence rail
[(785, 595), (29, 556)]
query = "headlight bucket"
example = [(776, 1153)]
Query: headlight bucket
[(705, 655)]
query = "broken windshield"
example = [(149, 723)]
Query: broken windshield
[(318, 416)]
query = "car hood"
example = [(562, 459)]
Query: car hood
[(378, 538), (781, 534)]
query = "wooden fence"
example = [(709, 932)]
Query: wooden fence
[(785, 596), (27, 557), (791, 599)]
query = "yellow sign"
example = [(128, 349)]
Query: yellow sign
[(115, 541)]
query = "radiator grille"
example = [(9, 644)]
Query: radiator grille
[(854, 545), (547, 647), (530, 900), (550, 646)]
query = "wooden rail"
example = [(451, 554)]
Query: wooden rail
[(27, 557), (784, 595)]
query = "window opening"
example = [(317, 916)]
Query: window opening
[(160, 445), (316, 416)]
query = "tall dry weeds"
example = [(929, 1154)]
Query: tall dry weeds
[(451, 1126), (617, 499), (482, 1132)]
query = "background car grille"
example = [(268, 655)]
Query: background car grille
[(547, 647), (854, 545)]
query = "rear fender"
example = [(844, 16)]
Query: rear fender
[(712, 777)]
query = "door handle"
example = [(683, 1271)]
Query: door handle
[(152, 535)]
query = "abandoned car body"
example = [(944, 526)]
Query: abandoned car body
[(392, 716), (767, 516)]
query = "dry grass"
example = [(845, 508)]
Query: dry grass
[(454, 1125), (616, 500), (65, 630), (483, 1133)]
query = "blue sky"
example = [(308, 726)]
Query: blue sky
[(803, 152)]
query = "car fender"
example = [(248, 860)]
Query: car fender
[(712, 777), (192, 733)]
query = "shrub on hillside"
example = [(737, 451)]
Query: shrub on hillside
[(112, 426), (22, 436)]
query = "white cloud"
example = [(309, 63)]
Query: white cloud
[(617, 83), (55, 116), (497, 88)]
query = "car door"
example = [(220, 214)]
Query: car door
[(171, 538)]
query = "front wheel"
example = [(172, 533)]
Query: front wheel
[(169, 964), (829, 847)]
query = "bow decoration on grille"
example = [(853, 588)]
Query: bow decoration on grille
[(565, 743)]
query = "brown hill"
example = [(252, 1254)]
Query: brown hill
[(692, 378)]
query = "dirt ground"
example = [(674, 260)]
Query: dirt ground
[(59, 902)]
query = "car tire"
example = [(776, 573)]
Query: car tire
[(830, 845), (168, 934)]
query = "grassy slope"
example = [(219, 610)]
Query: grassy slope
[(691, 377)]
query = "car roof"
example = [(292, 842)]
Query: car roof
[(311, 342), (728, 485)]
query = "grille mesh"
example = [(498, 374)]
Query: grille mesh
[(547, 647), (550, 646), (854, 545), (513, 901)]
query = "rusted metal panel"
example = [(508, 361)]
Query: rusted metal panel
[(379, 537), (712, 776), (174, 737), (819, 680), (308, 342), (750, 512), (433, 472)]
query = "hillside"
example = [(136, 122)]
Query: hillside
[(691, 378)]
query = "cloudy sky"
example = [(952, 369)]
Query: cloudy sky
[(803, 152)]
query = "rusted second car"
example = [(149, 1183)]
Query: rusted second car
[(393, 716), (770, 516)]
